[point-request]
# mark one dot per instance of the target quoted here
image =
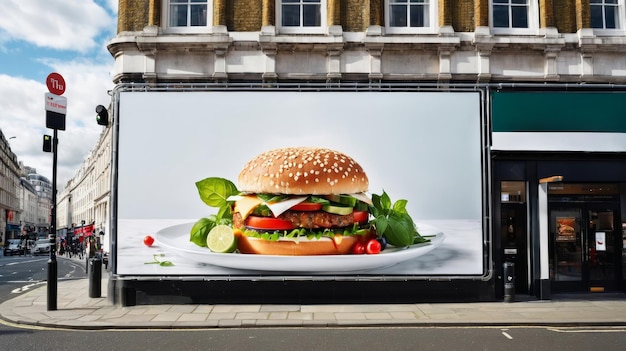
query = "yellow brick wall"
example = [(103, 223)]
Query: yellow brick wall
[(376, 12), (154, 13), (583, 15), (481, 13), (546, 14), (355, 15), (133, 15), (245, 15), (461, 15), (565, 22)]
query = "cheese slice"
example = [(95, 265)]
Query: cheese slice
[(278, 208), (246, 204), (362, 197)]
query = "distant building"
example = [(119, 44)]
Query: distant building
[(43, 188), (83, 205), (9, 200)]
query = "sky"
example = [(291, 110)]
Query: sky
[(69, 37)]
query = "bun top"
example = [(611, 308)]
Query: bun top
[(302, 171)]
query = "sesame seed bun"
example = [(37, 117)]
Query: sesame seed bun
[(303, 171)]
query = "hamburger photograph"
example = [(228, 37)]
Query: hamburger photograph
[(300, 201), (292, 184)]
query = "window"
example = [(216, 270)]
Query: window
[(301, 16), (188, 15), (606, 14), (411, 16), (514, 16)]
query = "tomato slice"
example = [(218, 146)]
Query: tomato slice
[(360, 216), (268, 223), (307, 206)]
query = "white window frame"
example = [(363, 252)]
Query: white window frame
[(621, 19), (433, 19), (532, 15), (165, 19), (321, 29)]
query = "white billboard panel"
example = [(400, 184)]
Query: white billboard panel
[(423, 147)]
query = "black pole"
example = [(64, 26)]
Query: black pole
[(52, 262)]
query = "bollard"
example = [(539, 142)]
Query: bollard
[(95, 277), (509, 281)]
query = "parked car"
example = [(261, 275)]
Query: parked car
[(42, 246), (13, 246)]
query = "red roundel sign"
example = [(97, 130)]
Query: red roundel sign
[(55, 83)]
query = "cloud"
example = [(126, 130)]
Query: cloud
[(23, 116), (57, 24), (64, 36)]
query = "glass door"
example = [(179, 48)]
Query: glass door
[(603, 252), (584, 253), (566, 259)]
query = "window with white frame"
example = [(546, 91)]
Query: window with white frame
[(607, 14), (514, 16), (188, 15), (301, 16), (410, 16)]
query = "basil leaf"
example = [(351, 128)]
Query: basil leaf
[(385, 201), (381, 224), (400, 206), (215, 191), (401, 230), (200, 230), (377, 203)]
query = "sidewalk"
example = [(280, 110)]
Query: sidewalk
[(76, 310)]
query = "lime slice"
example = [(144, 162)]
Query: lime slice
[(221, 239)]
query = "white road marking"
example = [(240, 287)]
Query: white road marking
[(507, 335)]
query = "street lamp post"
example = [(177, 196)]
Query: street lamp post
[(56, 108), (52, 261)]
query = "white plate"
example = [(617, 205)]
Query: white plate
[(176, 238)]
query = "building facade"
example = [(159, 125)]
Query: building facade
[(367, 40), (9, 200), (25, 198), (542, 66), (83, 205)]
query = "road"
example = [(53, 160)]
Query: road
[(19, 274)]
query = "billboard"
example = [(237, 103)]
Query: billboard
[(424, 147)]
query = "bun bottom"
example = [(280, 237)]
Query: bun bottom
[(302, 247)]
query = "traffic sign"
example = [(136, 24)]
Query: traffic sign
[(55, 83), (56, 103)]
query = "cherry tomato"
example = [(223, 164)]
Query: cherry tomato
[(358, 248), (307, 206), (148, 240), (372, 247), (360, 216), (268, 223)]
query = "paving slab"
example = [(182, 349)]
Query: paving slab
[(76, 310)]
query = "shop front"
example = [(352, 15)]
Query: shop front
[(559, 190)]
